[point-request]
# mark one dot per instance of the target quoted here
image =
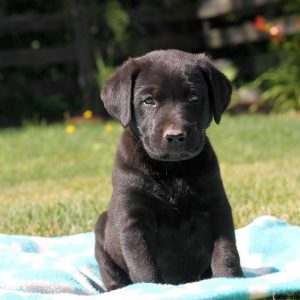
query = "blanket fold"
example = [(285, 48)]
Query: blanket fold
[(65, 268)]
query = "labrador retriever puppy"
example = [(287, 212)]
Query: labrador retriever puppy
[(169, 219)]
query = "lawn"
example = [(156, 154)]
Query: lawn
[(54, 183)]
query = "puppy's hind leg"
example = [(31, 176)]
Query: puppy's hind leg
[(112, 275)]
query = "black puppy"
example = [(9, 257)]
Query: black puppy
[(169, 220)]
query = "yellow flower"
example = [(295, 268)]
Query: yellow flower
[(87, 114), (70, 129), (108, 128)]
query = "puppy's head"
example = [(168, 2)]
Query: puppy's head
[(170, 97)]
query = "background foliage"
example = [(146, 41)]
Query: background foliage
[(280, 84), (115, 33)]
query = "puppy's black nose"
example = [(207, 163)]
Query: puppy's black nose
[(174, 136)]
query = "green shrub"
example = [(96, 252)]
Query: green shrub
[(280, 84), (104, 69)]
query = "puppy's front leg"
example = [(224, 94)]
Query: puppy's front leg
[(137, 242), (225, 258)]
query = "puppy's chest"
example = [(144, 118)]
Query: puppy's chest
[(183, 246), (175, 192)]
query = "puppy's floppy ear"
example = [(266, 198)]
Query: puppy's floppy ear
[(219, 87), (117, 92)]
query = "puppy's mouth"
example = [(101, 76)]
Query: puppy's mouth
[(173, 154)]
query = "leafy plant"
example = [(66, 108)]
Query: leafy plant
[(280, 84), (110, 26), (104, 69), (116, 19)]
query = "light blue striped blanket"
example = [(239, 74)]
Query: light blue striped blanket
[(65, 268)]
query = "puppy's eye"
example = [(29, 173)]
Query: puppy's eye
[(195, 99), (149, 101)]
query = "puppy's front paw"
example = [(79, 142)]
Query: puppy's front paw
[(235, 272)]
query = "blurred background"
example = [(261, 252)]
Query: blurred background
[(55, 55), (57, 144)]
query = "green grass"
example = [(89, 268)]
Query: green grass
[(52, 183)]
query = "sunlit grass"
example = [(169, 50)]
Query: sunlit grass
[(260, 163), (53, 182)]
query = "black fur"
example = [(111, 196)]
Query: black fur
[(169, 220)]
